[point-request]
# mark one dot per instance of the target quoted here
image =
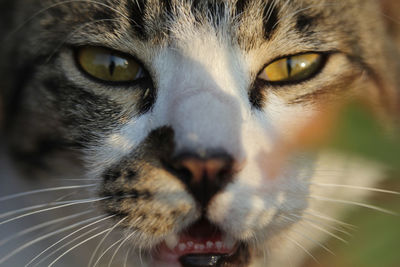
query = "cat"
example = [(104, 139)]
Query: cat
[(145, 127)]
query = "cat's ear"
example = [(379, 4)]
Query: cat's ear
[(391, 14)]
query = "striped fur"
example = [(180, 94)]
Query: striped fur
[(202, 97)]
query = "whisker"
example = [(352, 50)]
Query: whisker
[(103, 239), (119, 247), (317, 227), (86, 179), (303, 248), (42, 225), (372, 207), (77, 245), (324, 217), (71, 203), (66, 244), (38, 206), (105, 251), (140, 255), (326, 231), (10, 213), (32, 242), (44, 190), (314, 241), (127, 256), (324, 224), (356, 187), (74, 232), (330, 171), (257, 243)]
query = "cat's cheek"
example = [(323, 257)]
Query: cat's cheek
[(256, 205)]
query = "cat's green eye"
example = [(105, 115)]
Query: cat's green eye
[(107, 65), (292, 69)]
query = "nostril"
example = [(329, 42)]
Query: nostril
[(204, 177), (205, 168), (194, 166)]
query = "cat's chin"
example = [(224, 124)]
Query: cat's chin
[(202, 244)]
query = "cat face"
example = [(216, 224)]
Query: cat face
[(176, 110)]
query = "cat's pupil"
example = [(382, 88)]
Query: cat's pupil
[(111, 67), (289, 66), (111, 62), (115, 62), (106, 65)]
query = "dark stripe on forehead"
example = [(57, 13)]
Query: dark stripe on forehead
[(270, 19), (215, 10), (107, 17), (304, 23), (197, 4), (197, 9), (104, 13), (136, 11), (167, 7), (241, 5)]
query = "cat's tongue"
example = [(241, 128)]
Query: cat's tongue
[(200, 245)]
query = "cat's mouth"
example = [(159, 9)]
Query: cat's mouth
[(202, 244)]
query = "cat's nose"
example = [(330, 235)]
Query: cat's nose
[(204, 177)]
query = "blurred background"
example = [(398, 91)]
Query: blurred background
[(375, 241)]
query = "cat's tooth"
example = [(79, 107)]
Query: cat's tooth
[(199, 247), (209, 244), (218, 244), (172, 241), (228, 242), (182, 247), (190, 244)]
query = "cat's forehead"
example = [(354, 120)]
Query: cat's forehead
[(249, 21)]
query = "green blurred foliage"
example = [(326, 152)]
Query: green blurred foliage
[(358, 132), (376, 241)]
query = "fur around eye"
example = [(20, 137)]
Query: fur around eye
[(293, 69), (199, 133), (107, 65)]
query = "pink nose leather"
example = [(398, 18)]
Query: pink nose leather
[(205, 177), (207, 169)]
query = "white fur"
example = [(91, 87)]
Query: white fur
[(202, 94)]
